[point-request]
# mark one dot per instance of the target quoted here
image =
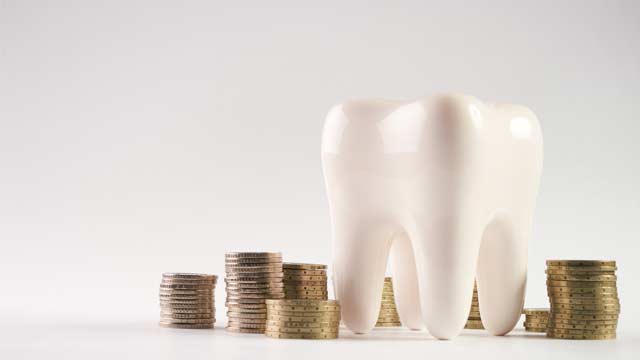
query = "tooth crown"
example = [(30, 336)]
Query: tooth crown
[(447, 185)]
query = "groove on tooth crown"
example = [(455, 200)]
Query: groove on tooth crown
[(445, 187)]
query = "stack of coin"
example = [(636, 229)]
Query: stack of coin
[(303, 319), (584, 299), (536, 320), (251, 277), (388, 316), (186, 301), (474, 321), (305, 281)]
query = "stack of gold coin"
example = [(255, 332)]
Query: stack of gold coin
[(186, 301), (584, 299), (536, 320), (305, 281), (474, 321), (251, 277), (388, 316), (303, 319)]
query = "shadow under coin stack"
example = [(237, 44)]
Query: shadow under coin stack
[(536, 320), (251, 278), (303, 319), (187, 301), (474, 321), (388, 315), (584, 299), (305, 281)]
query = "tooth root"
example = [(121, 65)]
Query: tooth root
[(446, 256), (360, 260), (405, 282), (502, 274)]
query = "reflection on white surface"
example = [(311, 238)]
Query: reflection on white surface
[(520, 127), (401, 130), (476, 116)]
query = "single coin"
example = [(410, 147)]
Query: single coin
[(180, 310), (282, 335), (388, 306), (245, 306), (580, 269), (474, 326), (244, 330), (580, 331), (306, 297), (235, 295), (253, 270), (187, 321), (278, 286), (234, 301), (593, 301), (173, 315), (388, 312), (253, 254), (561, 272), (388, 319), (305, 319), (252, 263), (536, 330), (535, 324), (301, 330), (474, 322), (303, 302), (583, 327), (189, 276), (536, 311), (305, 288), (304, 309), (581, 337), (187, 306), (597, 307), (247, 311), (295, 324), (585, 312), (246, 320), (582, 277), (303, 266), (186, 326), (236, 314), (295, 283), (289, 272), (390, 324), (582, 284), (305, 278), (271, 276), (585, 296), (574, 316), (306, 292), (266, 281), (186, 291), (581, 262), (248, 324), (187, 284)]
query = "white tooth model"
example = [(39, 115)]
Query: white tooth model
[(446, 185)]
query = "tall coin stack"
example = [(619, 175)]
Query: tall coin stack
[(305, 281), (536, 320), (187, 301), (388, 315), (303, 319), (251, 277), (474, 321), (584, 299)]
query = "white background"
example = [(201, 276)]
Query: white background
[(138, 137)]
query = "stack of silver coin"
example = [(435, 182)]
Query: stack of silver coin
[(251, 278), (187, 301)]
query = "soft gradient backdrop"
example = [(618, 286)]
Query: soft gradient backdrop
[(138, 137)]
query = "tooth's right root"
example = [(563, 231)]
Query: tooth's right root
[(388, 316), (474, 321)]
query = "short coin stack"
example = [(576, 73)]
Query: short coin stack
[(536, 320), (186, 301), (303, 319), (584, 299), (474, 321), (388, 316), (305, 281), (251, 277)]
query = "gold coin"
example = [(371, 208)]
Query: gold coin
[(245, 320), (306, 292), (582, 277), (297, 324), (474, 322), (306, 319), (305, 272), (581, 262), (558, 271), (186, 321), (174, 315), (536, 311), (296, 283), (270, 276), (582, 284), (244, 330), (584, 312), (474, 325), (574, 316), (304, 266), (303, 302), (535, 324), (582, 337), (575, 307), (245, 306), (191, 286), (585, 296), (537, 330), (289, 277), (186, 326), (253, 270), (305, 287), (235, 314), (282, 335), (388, 319), (305, 297), (583, 327), (303, 309), (198, 310), (246, 323), (388, 324), (189, 276), (252, 254), (186, 291), (580, 331), (311, 330), (562, 270), (593, 301)]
